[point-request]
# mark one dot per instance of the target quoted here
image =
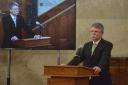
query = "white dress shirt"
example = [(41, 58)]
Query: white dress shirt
[(14, 19)]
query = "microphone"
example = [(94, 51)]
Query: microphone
[(39, 25)]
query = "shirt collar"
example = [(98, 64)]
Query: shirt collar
[(12, 16), (96, 42)]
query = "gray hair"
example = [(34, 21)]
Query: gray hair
[(98, 26), (11, 4)]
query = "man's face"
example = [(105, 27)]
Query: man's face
[(14, 10), (95, 34)]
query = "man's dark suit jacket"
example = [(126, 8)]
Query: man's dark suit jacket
[(10, 30), (100, 57)]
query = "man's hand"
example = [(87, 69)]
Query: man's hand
[(14, 38), (96, 69), (37, 36)]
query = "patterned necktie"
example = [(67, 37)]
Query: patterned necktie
[(93, 47)]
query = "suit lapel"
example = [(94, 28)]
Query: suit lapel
[(11, 21), (99, 46), (90, 48)]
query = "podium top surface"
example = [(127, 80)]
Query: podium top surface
[(31, 42), (41, 38), (68, 71)]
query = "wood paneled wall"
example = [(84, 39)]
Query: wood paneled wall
[(119, 70), (4, 4), (61, 29), (3, 8)]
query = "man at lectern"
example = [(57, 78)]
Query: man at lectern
[(13, 24), (96, 54)]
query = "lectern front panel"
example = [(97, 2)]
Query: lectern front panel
[(68, 81)]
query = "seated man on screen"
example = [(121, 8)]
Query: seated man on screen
[(13, 24), (96, 54)]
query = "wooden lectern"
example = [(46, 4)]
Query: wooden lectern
[(68, 75), (30, 42)]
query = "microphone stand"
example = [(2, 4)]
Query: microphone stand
[(58, 58), (39, 26), (9, 66)]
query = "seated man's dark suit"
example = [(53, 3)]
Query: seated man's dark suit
[(10, 30), (100, 57)]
